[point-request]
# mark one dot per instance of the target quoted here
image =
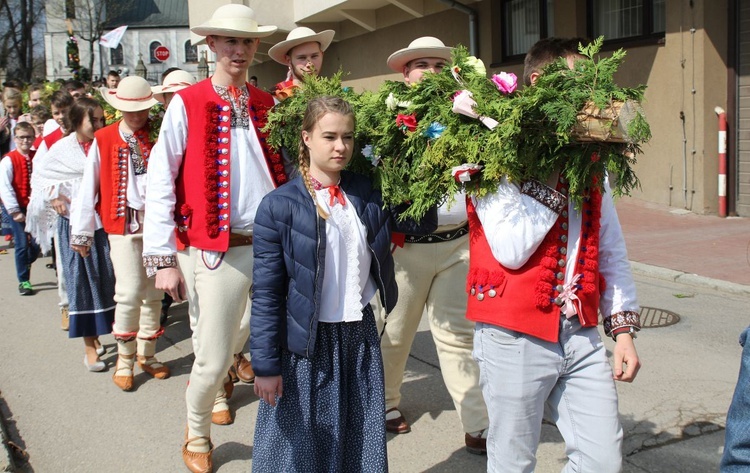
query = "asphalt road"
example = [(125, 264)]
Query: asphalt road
[(69, 420)]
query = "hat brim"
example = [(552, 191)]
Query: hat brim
[(261, 32), (110, 97), (160, 90), (402, 57), (279, 51)]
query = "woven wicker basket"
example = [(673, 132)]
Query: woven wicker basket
[(608, 125)]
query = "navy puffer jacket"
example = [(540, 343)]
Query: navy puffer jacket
[(289, 246)]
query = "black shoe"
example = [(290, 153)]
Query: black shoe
[(25, 289)]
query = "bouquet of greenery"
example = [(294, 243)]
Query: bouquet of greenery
[(48, 88), (111, 114), (155, 117), (284, 125), (418, 137), (577, 121), (458, 120)]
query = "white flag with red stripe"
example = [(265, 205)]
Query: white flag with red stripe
[(113, 38)]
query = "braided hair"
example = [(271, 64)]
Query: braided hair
[(316, 109)]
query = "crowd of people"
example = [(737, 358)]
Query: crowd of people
[(287, 249)]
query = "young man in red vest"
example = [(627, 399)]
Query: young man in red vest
[(210, 169), (113, 189), (539, 272), (15, 189)]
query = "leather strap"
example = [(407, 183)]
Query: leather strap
[(438, 237), (237, 239)]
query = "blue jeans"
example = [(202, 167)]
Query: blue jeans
[(737, 438), (26, 250), (523, 376)]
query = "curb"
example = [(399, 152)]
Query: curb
[(689, 279), (6, 457)]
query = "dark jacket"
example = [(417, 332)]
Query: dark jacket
[(289, 246)]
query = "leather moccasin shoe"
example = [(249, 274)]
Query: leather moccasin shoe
[(228, 389), (243, 368), (476, 445), (398, 424), (221, 417), (154, 368), (198, 462), (124, 382)]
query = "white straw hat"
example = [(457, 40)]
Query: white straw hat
[(426, 46), (132, 94), (235, 21), (175, 81), (297, 36)]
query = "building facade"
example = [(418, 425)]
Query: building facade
[(151, 24), (694, 56)]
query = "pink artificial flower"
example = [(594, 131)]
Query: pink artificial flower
[(463, 104), (406, 122), (505, 82)]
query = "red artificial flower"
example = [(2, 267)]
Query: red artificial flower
[(406, 122), (594, 157)]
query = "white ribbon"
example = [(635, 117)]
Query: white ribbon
[(568, 296)]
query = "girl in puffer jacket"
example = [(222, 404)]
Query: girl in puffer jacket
[(322, 250)]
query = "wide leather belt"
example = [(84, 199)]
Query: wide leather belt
[(438, 237), (237, 239)]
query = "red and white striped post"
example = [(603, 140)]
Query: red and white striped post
[(722, 161)]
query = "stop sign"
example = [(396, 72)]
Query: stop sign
[(161, 53)]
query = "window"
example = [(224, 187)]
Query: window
[(191, 52), (70, 9), (524, 23), (115, 55), (151, 56), (621, 19)]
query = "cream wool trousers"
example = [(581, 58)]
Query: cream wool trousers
[(219, 312), (433, 276), (138, 301)]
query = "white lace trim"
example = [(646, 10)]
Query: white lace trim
[(353, 291)]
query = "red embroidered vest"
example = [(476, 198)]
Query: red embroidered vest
[(113, 178), (203, 186), (21, 177), (53, 137), (526, 300)]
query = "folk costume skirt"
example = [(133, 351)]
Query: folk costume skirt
[(90, 282), (5, 227), (331, 416)]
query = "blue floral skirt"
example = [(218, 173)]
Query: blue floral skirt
[(90, 283), (5, 228), (331, 417)]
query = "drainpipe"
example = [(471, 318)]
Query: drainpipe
[(473, 27)]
